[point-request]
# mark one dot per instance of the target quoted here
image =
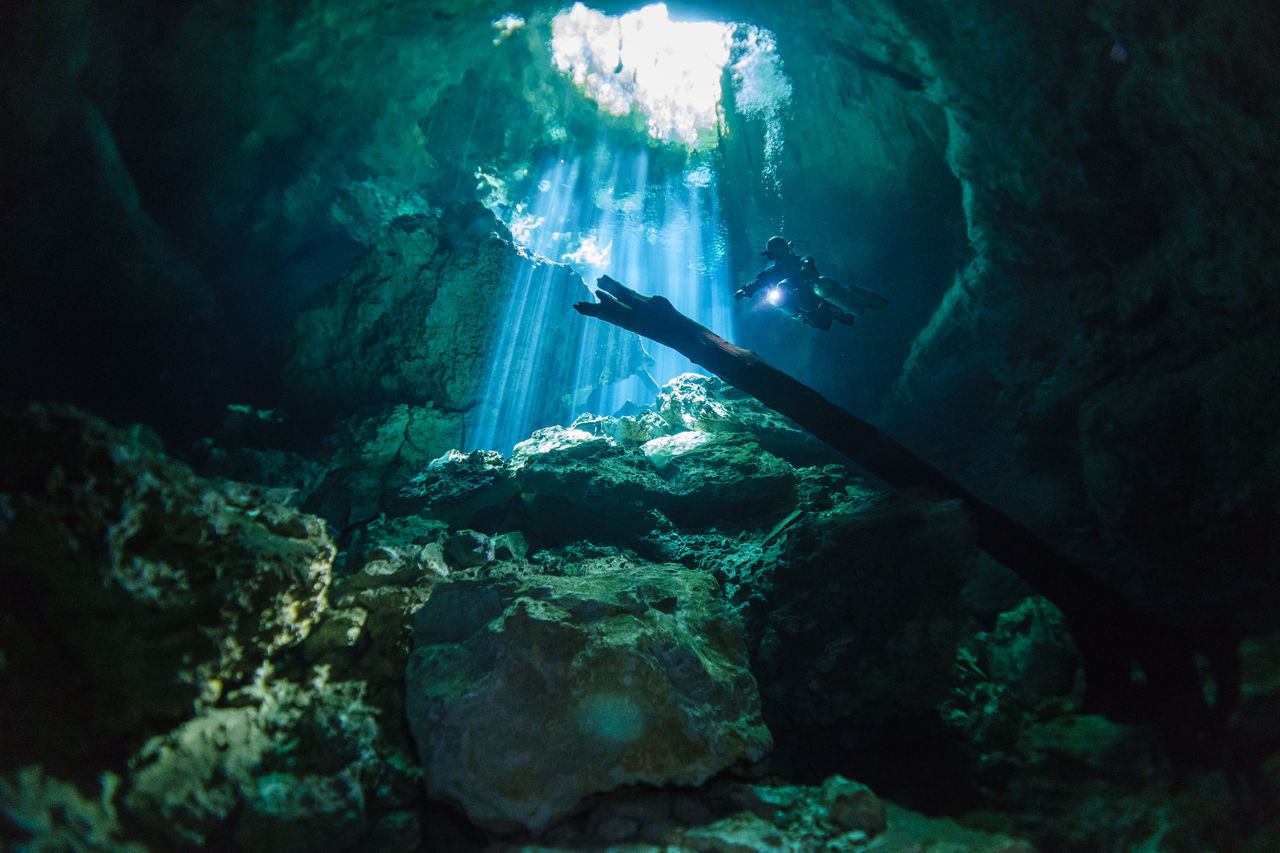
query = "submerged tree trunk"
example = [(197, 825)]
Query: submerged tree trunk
[(1112, 632)]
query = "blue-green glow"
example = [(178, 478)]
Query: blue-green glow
[(603, 212)]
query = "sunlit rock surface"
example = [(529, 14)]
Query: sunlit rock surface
[(150, 637), (419, 320), (530, 673), (135, 588), (530, 690)]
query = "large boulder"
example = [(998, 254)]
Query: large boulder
[(853, 613), (529, 692)]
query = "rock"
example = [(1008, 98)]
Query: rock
[(1022, 673), (457, 486), (510, 546), (288, 477), (852, 806), (852, 613), (289, 813), (1031, 651), (468, 548), (529, 692), (170, 609), (753, 817), (707, 404), (661, 450), (420, 320), (52, 815), (575, 484), (135, 587), (372, 458), (366, 634), (295, 767)]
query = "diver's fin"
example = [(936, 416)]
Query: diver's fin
[(866, 299), (852, 299)]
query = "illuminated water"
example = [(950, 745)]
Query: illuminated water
[(605, 212)]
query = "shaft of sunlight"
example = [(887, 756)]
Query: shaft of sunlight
[(519, 364), (603, 213)]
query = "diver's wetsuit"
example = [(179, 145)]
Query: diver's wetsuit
[(797, 276)]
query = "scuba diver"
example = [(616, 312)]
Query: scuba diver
[(795, 285)]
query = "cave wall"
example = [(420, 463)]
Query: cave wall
[(1118, 309)]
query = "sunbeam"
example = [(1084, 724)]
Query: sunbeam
[(603, 213)]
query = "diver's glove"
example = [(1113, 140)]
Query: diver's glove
[(739, 293)]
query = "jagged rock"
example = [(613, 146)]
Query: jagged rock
[(576, 484), (510, 546), (414, 323), (1032, 652), (289, 813), (371, 459), (1025, 671), (457, 486), (708, 404), (768, 816), (393, 565), (852, 612), (293, 767), (52, 814), (134, 587), (406, 325), (528, 692), (469, 548), (167, 603), (287, 477), (622, 475)]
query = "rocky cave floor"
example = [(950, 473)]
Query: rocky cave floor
[(689, 628)]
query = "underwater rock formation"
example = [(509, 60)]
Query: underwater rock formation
[(835, 643), (149, 637), (119, 564), (529, 690), (416, 322), (500, 676)]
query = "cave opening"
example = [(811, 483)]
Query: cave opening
[(680, 172)]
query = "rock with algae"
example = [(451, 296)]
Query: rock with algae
[(149, 639), (133, 587), (528, 692)]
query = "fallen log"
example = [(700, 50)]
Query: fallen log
[(1113, 633)]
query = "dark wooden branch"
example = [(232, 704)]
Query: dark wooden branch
[(1111, 631)]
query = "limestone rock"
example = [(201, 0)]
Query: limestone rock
[(135, 587), (575, 484), (708, 404), (53, 815), (405, 325), (457, 486), (287, 766), (852, 614), (766, 816), (420, 320), (528, 692), (371, 458)]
